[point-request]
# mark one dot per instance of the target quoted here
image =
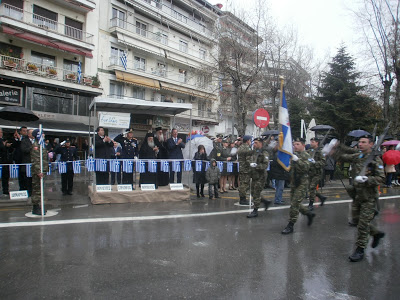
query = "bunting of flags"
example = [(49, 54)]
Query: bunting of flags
[(199, 164), (152, 166), (101, 165), (165, 166), (127, 166), (28, 170), (76, 165), (229, 167), (114, 165), (141, 166), (49, 171), (90, 164), (14, 171), (62, 167), (188, 165), (80, 72), (176, 166), (207, 165), (220, 165)]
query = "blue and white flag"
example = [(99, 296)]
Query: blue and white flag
[(152, 166), (207, 165), (62, 167), (14, 171), (165, 166), (229, 167), (124, 60), (49, 172), (101, 165), (40, 138), (127, 166), (28, 170), (76, 165), (199, 164), (115, 166), (238, 166), (141, 166), (79, 72), (90, 164), (285, 148), (176, 166), (1, 171), (220, 165), (188, 165)]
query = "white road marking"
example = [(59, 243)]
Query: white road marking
[(164, 217)]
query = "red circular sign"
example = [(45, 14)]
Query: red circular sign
[(205, 129), (261, 118)]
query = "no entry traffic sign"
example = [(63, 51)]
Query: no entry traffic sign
[(261, 118)]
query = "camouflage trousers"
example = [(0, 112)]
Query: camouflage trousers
[(363, 211), (297, 195), (314, 181), (257, 185), (35, 190)]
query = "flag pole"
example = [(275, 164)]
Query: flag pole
[(41, 171), (282, 79)]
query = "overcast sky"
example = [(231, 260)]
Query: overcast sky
[(323, 24)]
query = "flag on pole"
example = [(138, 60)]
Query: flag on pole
[(220, 165), (114, 165), (188, 165), (90, 164), (40, 138), (79, 72), (62, 167), (14, 171), (152, 165), (124, 60), (101, 165), (28, 170), (229, 167), (198, 165), (176, 166), (165, 166), (49, 172), (285, 149), (76, 165)]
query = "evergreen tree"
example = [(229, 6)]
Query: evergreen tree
[(341, 104)]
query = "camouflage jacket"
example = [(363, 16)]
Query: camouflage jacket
[(300, 169), (316, 168), (35, 159), (260, 157), (244, 153)]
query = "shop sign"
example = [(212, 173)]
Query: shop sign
[(114, 120), (10, 94)]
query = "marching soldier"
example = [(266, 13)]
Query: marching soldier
[(258, 166), (299, 184), (129, 151), (68, 154), (244, 152), (315, 174)]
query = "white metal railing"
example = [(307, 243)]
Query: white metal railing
[(159, 37), (43, 70), (44, 23)]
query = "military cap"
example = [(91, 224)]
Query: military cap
[(129, 130), (258, 139), (366, 136), (67, 141), (219, 136), (225, 141), (158, 128), (246, 138), (299, 139), (315, 139)]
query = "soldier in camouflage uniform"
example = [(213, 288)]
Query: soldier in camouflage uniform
[(244, 152), (259, 163), (365, 190), (315, 174), (301, 161), (36, 173)]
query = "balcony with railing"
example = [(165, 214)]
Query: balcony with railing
[(9, 13), (45, 71), (160, 38)]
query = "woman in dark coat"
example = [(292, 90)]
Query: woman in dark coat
[(148, 151), (225, 156), (199, 177)]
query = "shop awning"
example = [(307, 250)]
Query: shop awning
[(44, 41), (187, 91), (137, 80)]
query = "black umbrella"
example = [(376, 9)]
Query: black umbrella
[(321, 127), (18, 113), (271, 132), (357, 133)]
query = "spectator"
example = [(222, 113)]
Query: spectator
[(148, 150), (225, 156), (159, 140), (329, 169), (232, 176), (199, 177), (8, 159), (68, 154), (279, 174), (212, 176), (103, 148), (175, 146)]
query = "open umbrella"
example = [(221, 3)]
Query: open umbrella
[(391, 157), (194, 143), (357, 133), (271, 132), (322, 127), (391, 143), (18, 113)]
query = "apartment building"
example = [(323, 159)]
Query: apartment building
[(47, 51), (156, 51)]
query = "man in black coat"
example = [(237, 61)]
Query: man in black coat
[(160, 142), (103, 147), (148, 150), (68, 154), (129, 146), (175, 146)]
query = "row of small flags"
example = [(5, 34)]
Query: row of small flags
[(101, 165)]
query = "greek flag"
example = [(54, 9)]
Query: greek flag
[(188, 165), (79, 72), (198, 165), (62, 167), (238, 166), (141, 166), (101, 165), (90, 164), (28, 170), (229, 167), (14, 171), (165, 166), (127, 166), (285, 148), (49, 172), (176, 166), (220, 165), (1, 171), (207, 165), (114, 165), (76, 165), (124, 60), (152, 166), (40, 138)]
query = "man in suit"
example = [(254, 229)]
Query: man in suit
[(175, 146), (103, 148)]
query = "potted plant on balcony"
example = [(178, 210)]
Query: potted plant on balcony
[(9, 63), (52, 72), (96, 81), (31, 67), (71, 76)]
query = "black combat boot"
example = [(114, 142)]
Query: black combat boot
[(310, 217), (321, 198), (197, 190), (357, 255), (253, 214), (311, 205), (288, 229), (202, 191), (352, 223), (377, 237), (266, 203), (243, 201), (36, 210)]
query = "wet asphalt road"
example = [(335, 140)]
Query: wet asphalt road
[(193, 254)]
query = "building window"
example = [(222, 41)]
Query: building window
[(44, 18), (51, 101), (161, 37), (180, 100), (116, 90), (183, 46), (139, 93), (140, 63), (141, 28), (116, 55), (43, 59), (202, 28), (118, 18), (182, 75), (161, 69), (73, 28), (202, 53)]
